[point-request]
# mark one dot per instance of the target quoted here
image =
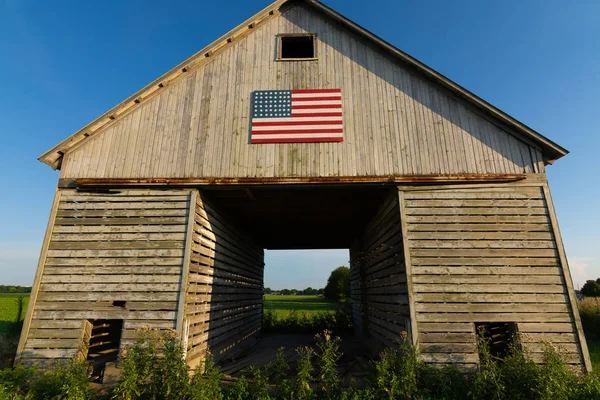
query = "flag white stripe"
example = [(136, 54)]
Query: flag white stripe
[(298, 96), (295, 127), (297, 119), (298, 135), (318, 103), (316, 110)]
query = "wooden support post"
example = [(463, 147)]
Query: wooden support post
[(414, 332), (186, 267), (568, 280)]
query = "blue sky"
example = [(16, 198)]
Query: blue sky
[(63, 63)]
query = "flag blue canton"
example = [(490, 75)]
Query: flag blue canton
[(272, 103)]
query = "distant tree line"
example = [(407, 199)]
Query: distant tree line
[(14, 289), (287, 292), (337, 288), (591, 288)]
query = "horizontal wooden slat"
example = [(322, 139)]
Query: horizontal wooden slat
[(484, 297), (482, 244), (483, 270), (446, 337), (491, 279), (494, 317), (488, 212), (491, 307), (491, 288)]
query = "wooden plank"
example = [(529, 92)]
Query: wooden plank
[(408, 268), (38, 279), (490, 227), (483, 244), (450, 358), (482, 270), (491, 307), (184, 279), (494, 317), (491, 288), (512, 298), (447, 327), (499, 261), (446, 337), (568, 281), (546, 328), (447, 348), (491, 236), (483, 279), (489, 212)]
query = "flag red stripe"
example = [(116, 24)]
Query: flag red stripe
[(306, 107), (323, 114), (298, 140), (317, 91), (295, 99), (259, 132), (336, 122)]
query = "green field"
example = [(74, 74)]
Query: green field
[(8, 310), (283, 305)]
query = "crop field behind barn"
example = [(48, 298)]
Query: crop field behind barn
[(283, 305)]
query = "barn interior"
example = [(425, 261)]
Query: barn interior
[(363, 219)]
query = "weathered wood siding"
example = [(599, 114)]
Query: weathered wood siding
[(223, 307), (395, 121), (378, 280), (104, 247), (488, 254)]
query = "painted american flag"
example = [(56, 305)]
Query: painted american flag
[(292, 116)]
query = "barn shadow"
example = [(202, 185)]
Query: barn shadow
[(445, 106)]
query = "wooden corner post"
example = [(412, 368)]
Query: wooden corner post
[(567, 277), (38, 277), (185, 269), (414, 332)]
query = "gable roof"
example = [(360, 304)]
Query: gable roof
[(53, 157)]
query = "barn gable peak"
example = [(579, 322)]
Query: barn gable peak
[(551, 151)]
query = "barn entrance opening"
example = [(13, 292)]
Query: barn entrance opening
[(363, 219)]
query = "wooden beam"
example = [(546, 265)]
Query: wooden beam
[(209, 181)]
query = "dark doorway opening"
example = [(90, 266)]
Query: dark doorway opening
[(104, 343), (500, 336)]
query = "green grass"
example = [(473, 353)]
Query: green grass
[(284, 305), (8, 310)]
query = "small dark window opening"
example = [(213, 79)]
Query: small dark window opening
[(119, 303), (297, 47), (105, 340), (499, 336)]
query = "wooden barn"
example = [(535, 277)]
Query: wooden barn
[(300, 129)]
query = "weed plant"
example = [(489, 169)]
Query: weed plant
[(154, 368)]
